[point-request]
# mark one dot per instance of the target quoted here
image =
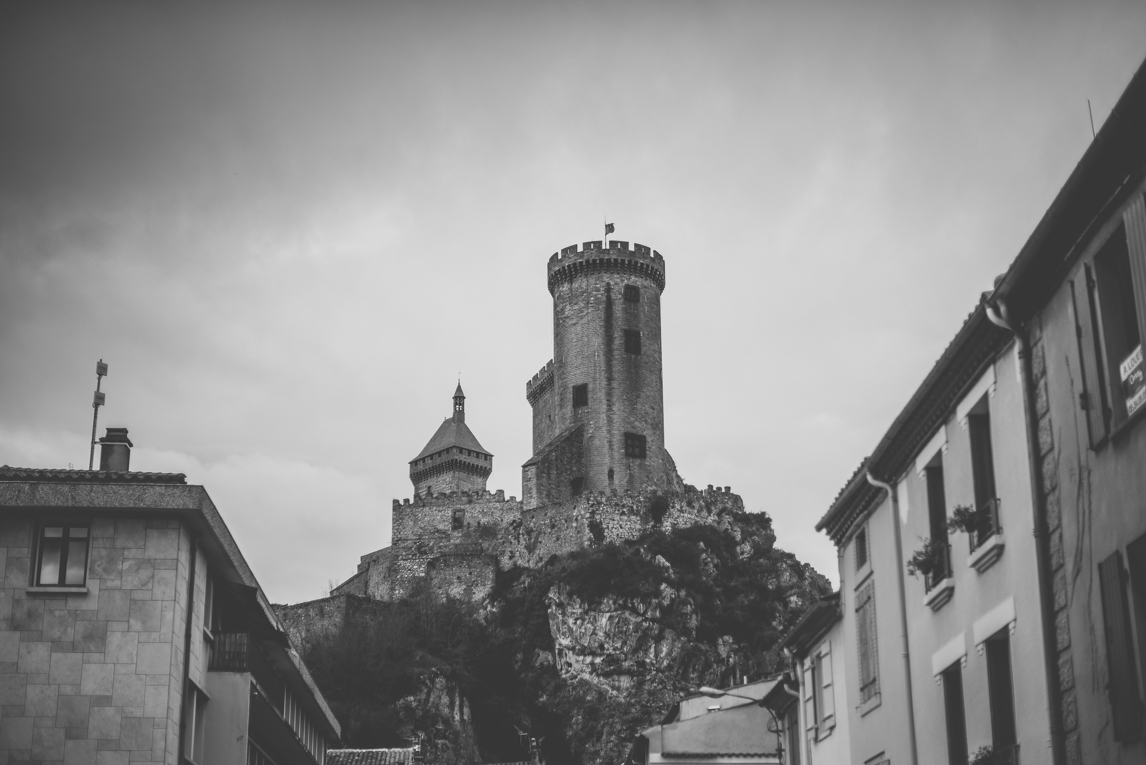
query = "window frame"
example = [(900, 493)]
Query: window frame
[(1123, 690), (636, 445), (955, 714), (631, 293), (65, 525), (1001, 690)]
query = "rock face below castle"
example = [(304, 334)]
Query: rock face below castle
[(457, 542)]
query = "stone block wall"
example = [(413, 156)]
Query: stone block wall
[(548, 477), (95, 676), (316, 618)]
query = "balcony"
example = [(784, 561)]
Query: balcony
[(938, 582), (986, 536), (240, 652)]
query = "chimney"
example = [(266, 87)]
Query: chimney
[(115, 451)]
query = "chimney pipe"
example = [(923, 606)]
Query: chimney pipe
[(115, 451)]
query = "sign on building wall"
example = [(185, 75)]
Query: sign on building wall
[(1133, 380)]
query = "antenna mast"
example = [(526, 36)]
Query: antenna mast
[(97, 402)]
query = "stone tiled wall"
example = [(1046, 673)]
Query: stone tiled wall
[(1052, 506), (549, 477), (94, 678)]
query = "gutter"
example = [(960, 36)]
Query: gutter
[(902, 612), (1041, 534)]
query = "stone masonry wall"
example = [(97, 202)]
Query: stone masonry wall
[(1052, 506), (94, 677)]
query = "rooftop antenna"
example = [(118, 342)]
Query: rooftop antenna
[(97, 402), (1091, 112)]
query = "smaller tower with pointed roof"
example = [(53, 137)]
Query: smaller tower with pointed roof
[(453, 460)]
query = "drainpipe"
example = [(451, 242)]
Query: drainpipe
[(187, 647), (1042, 536), (902, 612)]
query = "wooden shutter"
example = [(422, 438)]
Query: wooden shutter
[(809, 694), (1122, 682), (1135, 220), (829, 704), (866, 639), (1136, 562), (1092, 392)]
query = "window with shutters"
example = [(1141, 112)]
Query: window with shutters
[(1136, 562), (956, 715), (866, 640), (809, 687), (1122, 680), (825, 701), (1107, 301)]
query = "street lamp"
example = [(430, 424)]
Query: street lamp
[(716, 693)]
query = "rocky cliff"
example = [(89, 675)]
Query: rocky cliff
[(580, 653)]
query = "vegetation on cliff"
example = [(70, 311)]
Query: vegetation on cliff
[(582, 653)]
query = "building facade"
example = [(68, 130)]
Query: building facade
[(132, 629), (1007, 505)]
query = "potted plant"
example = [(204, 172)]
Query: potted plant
[(928, 561)]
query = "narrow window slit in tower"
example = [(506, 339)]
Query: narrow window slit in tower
[(581, 395), (633, 341)]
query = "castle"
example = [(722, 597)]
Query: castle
[(599, 471)]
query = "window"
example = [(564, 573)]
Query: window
[(1108, 323), (792, 729), (861, 548), (866, 634), (459, 519), (63, 555), (633, 341), (825, 702), (634, 445), (936, 502), (1136, 562), (632, 293), (809, 685), (956, 715), (1125, 700), (194, 723), (1000, 691), (576, 486), (581, 395), (983, 477)]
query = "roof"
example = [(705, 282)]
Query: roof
[(459, 392), (1101, 180), (739, 731), (86, 476), (968, 354), (823, 614), (31, 489), (554, 443), (451, 433), (370, 756)]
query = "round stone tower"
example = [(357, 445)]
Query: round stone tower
[(602, 394)]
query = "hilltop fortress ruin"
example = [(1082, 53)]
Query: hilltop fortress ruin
[(599, 471)]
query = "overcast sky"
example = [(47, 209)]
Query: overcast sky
[(288, 229)]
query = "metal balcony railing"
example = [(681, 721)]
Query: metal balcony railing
[(240, 652), (942, 569), (1007, 755), (987, 524)]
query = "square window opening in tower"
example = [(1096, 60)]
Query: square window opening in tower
[(635, 445)]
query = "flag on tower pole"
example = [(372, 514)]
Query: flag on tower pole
[(609, 229)]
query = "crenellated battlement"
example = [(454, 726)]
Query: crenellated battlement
[(541, 382), (443, 499), (594, 257)]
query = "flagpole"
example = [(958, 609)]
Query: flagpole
[(605, 220)]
